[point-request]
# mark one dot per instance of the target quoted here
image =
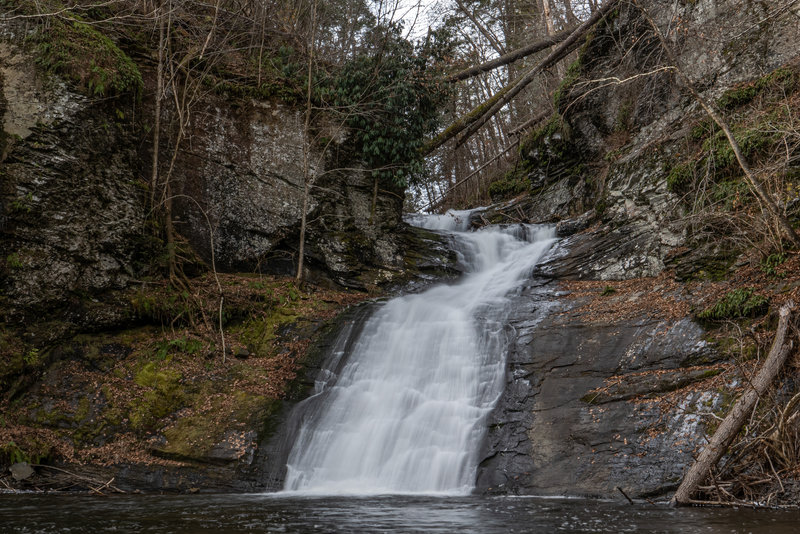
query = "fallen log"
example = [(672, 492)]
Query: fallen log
[(730, 426)]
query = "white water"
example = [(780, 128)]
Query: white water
[(407, 411)]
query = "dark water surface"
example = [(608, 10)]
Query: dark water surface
[(394, 514)]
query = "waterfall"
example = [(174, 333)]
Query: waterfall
[(405, 413)]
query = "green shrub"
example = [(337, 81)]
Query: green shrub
[(30, 450), (13, 261), (770, 265), (10, 453), (181, 344), (608, 290), (731, 194), (680, 178)]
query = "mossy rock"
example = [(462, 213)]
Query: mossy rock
[(214, 435), (572, 75), (647, 385), (164, 394), (783, 80)]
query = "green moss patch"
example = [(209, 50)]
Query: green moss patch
[(512, 183), (195, 437), (74, 49), (736, 304), (572, 75), (163, 395), (166, 388), (780, 81), (555, 125)]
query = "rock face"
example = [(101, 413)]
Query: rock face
[(589, 402), (611, 145), (72, 214), (73, 196), (242, 187), (597, 398)]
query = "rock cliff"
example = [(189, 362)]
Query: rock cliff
[(75, 171)]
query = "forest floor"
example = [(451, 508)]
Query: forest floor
[(161, 393)]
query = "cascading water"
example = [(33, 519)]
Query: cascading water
[(405, 413)]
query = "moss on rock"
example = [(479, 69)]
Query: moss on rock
[(737, 304), (80, 52)]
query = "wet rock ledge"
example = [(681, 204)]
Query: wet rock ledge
[(608, 384)]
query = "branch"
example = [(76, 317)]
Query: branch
[(476, 118), (437, 203), (513, 56), (61, 12), (485, 32), (533, 121)]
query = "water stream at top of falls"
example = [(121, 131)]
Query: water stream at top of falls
[(406, 411)]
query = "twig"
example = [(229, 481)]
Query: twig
[(435, 203), (623, 494), (104, 486), (780, 482), (81, 477)]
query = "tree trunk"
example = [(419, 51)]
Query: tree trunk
[(740, 412), (512, 56), (306, 152), (170, 232), (476, 118), (551, 30), (374, 202), (302, 245), (157, 111)]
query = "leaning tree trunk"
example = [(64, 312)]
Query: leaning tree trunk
[(472, 121), (733, 422), (538, 46)]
